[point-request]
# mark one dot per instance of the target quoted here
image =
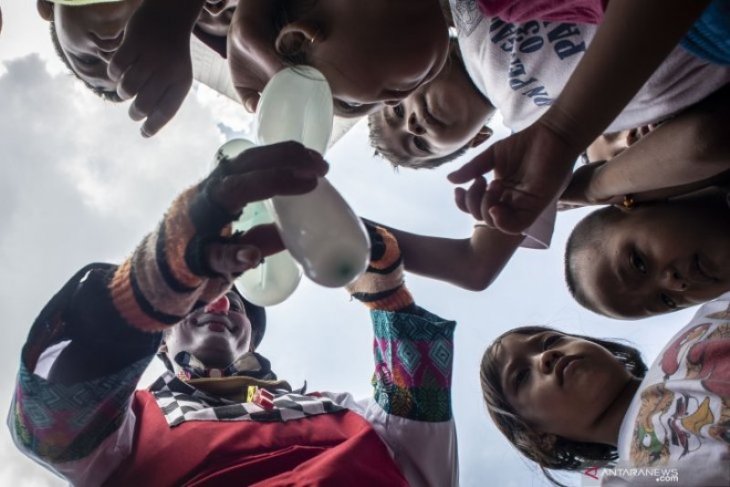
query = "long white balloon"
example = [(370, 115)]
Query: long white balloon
[(278, 276), (318, 228)]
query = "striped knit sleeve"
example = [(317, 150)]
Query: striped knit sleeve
[(167, 276)]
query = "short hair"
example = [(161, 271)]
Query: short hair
[(375, 126), (564, 454), (586, 234), (112, 96)]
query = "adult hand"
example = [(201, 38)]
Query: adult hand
[(529, 170), (153, 63), (252, 57), (286, 168)]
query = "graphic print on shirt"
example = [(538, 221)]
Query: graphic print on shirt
[(526, 43), (671, 424)]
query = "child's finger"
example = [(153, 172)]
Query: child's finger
[(460, 199), (481, 164), (508, 219), (474, 196), (132, 81), (148, 97), (121, 61), (164, 110)]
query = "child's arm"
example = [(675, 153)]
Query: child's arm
[(153, 63), (471, 263), (682, 154), (531, 166)]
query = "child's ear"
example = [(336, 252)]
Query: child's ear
[(296, 37), (45, 9), (484, 134)]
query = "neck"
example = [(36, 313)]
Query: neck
[(608, 424)]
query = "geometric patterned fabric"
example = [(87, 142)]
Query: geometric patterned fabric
[(413, 364)]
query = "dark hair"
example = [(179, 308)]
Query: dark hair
[(106, 95), (563, 454), (587, 233)]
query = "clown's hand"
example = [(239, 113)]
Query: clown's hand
[(382, 286), (286, 168)]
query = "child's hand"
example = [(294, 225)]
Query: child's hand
[(252, 58), (529, 170), (580, 192), (153, 63)]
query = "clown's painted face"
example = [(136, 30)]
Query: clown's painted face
[(216, 335)]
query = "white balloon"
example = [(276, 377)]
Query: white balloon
[(274, 280), (296, 104), (319, 229)]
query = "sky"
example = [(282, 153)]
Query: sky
[(79, 184)]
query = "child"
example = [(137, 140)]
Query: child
[(531, 166), (122, 49), (569, 402), (436, 123), (651, 258), (370, 52), (692, 150)]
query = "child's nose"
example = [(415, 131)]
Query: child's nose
[(674, 281), (414, 126), (547, 360), (219, 306)]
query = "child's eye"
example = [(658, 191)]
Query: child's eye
[(637, 262), (550, 341), (87, 60), (421, 144), (522, 377), (398, 110), (351, 107), (669, 302)]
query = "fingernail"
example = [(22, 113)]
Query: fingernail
[(247, 256)]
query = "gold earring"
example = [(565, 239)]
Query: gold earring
[(628, 201)]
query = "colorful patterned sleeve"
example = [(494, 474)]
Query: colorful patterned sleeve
[(78, 372), (413, 364)]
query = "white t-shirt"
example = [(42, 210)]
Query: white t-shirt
[(522, 68), (677, 426)]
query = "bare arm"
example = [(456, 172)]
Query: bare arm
[(631, 43), (471, 263), (687, 152)]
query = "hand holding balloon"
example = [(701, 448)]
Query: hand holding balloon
[(319, 229)]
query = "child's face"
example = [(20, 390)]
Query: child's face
[(658, 258), (215, 18), (378, 51), (90, 35), (438, 119), (559, 384)]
